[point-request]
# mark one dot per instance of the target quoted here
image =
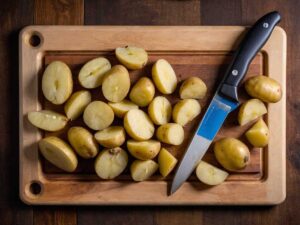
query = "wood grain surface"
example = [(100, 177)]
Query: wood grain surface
[(15, 14)]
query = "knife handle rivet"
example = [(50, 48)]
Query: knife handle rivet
[(265, 25), (235, 72)]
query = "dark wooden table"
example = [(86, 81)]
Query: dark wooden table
[(16, 14)]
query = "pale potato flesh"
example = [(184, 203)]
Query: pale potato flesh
[(209, 174), (57, 82), (166, 162), (83, 142), (76, 104), (185, 111), (142, 92), (92, 73), (138, 125), (132, 57), (121, 108), (98, 115), (110, 163), (193, 87), (160, 110), (164, 76), (142, 170), (170, 133), (258, 134), (59, 153), (251, 110), (116, 84), (111, 137), (47, 120), (143, 150)]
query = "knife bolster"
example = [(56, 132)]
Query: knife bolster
[(229, 91)]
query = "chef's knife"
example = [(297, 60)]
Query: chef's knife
[(225, 99)]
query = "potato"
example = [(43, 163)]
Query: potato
[(209, 174), (170, 133), (264, 88), (166, 162), (121, 108), (232, 154), (142, 170), (111, 137), (251, 110), (258, 134), (116, 84), (132, 57), (185, 111), (192, 87), (83, 142), (142, 92), (160, 110), (138, 125), (57, 82), (47, 120), (98, 115), (59, 153), (76, 104), (164, 76), (110, 163), (143, 150), (92, 73)]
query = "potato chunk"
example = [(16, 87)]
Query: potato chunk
[(209, 174), (160, 110), (166, 162), (170, 133), (142, 170), (185, 111), (251, 110), (143, 150), (142, 92), (76, 104), (132, 57), (121, 108), (258, 134), (192, 87), (111, 137)]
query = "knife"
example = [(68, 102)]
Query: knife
[(225, 99)]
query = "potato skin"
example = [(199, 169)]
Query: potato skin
[(258, 134), (264, 88), (115, 139), (143, 150), (193, 87), (142, 92)]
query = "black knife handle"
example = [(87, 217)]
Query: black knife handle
[(254, 40)]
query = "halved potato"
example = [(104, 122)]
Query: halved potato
[(170, 133), (192, 87), (166, 162), (142, 92), (76, 104), (98, 115), (209, 174), (251, 110), (142, 170), (132, 57), (111, 137), (143, 150), (185, 111), (121, 108), (160, 110), (59, 153), (164, 76), (116, 84), (138, 125), (258, 134), (47, 120)]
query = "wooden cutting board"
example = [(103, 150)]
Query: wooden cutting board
[(192, 51)]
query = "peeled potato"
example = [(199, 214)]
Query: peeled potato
[(47, 120), (116, 84), (166, 162), (142, 170), (132, 57), (138, 125), (251, 110), (185, 111), (160, 110), (164, 76), (110, 163), (143, 150), (209, 174), (170, 133), (192, 87), (77, 103), (142, 92), (232, 154), (57, 82), (92, 73), (59, 153), (258, 134), (264, 88), (83, 142), (111, 137), (98, 115), (121, 108)]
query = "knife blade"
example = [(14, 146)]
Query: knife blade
[(225, 99)]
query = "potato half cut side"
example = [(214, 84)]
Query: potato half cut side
[(193, 87), (166, 162), (209, 174), (76, 104), (251, 110), (121, 108), (160, 110), (142, 170), (143, 150), (170, 133), (132, 57), (185, 111), (111, 137), (142, 92)]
